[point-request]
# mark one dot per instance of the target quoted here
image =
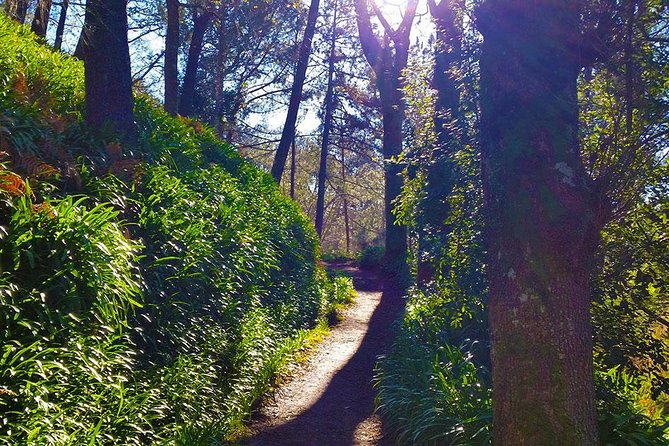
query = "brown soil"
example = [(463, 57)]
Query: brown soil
[(330, 399)]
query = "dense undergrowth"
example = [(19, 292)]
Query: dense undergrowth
[(150, 293)]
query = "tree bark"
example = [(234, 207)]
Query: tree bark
[(172, 57), (41, 19), (293, 166), (347, 223), (79, 49), (17, 9), (327, 125), (217, 121), (200, 25), (393, 139), (288, 132), (109, 100), (60, 29), (541, 226)]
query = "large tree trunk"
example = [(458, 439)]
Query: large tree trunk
[(41, 19), (109, 100), (288, 132), (172, 57), (17, 9), (327, 126), (60, 29), (541, 228), (200, 25)]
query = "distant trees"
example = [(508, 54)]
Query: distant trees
[(109, 99), (60, 29), (327, 123)]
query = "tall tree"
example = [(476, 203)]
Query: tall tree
[(201, 19), (327, 125), (296, 93), (60, 29), (172, 57), (41, 19), (542, 227), (388, 57), (109, 100)]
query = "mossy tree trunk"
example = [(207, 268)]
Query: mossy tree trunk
[(542, 227), (109, 100), (447, 16)]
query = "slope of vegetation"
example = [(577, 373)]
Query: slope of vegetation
[(148, 293)]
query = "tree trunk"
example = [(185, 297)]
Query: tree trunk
[(79, 49), (541, 228), (58, 44), (109, 100), (393, 138), (388, 60), (41, 19), (288, 132), (347, 224), (200, 25), (172, 57), (219, 74), (327, 125), (293, 166), (17, 9)]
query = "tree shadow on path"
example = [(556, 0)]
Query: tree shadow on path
[(349, 398)]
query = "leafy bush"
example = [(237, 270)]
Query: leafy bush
[(433, 386), (371, 257), (149, 294)]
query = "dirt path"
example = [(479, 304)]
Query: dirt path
[(330, 400)]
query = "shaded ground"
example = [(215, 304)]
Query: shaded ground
[(330, 400)]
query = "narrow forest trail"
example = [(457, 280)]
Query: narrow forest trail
[(330, 400)]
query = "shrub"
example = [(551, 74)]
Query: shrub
[(371, 257)]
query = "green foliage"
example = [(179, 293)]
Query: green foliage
[(371, 257), (149, 294), (622, 420), (432, 393)]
